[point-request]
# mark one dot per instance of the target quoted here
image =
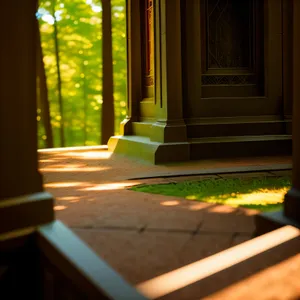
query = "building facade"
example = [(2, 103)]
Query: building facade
[(207, 79)]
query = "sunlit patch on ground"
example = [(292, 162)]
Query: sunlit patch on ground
[(68, 198), (263, 194), (170, 203), (88, 154), (64, 184), (263, 197), (59, 207), (72, 168), (110, 186)]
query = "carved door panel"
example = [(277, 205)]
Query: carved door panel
[(233, 57), (231, 48)]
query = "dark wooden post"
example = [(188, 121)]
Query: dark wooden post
[(292, 198), (108, 115), (20, 181), (18, 126)]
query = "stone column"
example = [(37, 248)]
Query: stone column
[(134, 65), (292, 198), (19, 176), (170, 126)]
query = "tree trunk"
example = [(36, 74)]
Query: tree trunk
[(85, 105), (108, 115), (60, 102), (43, 95)]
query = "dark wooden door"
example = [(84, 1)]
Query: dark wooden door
[(232, 57)]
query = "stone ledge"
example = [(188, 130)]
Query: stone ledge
[(270, 221)]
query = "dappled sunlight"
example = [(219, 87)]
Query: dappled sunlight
[(260, 197), (221, 209), (72, 168), (170, 203), (69, 149), (189, 274), (66, 184), (68, 198), (88, 154), (199, 206), (264, 194), (110, 186), (46, 160), (60, 207)]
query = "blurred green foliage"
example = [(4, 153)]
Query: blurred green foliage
[(80, 51)]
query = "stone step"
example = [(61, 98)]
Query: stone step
[(240, 146), (215, 127), (141, 128), (202, 148), (237, 127)]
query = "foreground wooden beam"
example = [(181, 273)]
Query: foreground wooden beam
[(229, 272), (18, 127), (67, 257)]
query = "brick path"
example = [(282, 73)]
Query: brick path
[(138, 234)]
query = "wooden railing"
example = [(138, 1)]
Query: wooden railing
[(73, 271), (43, 259), (51, 263)]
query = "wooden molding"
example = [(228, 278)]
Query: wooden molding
[(25, 211), (75, 260)]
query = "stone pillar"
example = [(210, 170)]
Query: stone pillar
[(19, 176), (170, 126), (292, 198), (134, 65), (154, 128)]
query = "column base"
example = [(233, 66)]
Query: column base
[(169, 131), (145, 149), (126, 125)]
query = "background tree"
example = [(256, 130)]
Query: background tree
[(57, 57), (43, 101), (108, 115), (80, 47)]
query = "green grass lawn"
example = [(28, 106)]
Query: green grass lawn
[(264, 194)]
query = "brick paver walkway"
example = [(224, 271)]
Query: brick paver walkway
[(138, 234)]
